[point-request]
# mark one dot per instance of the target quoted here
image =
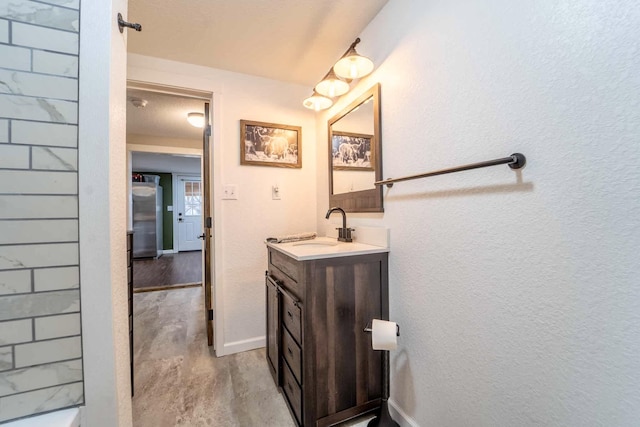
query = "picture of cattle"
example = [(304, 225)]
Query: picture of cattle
[(267, 144), (351, 151)]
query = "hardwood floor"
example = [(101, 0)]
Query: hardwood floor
[(170, 270)]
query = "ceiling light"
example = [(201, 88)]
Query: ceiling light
[(139, 102), (332, 86), (353, 65), (196, 119), (317, 102)]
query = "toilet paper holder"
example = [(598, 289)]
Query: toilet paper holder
[(383, 418), (369, 330)]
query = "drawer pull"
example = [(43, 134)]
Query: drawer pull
[(289, 313), (290, 352)]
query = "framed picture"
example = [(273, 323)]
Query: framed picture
[(351, 151), (270, 144)]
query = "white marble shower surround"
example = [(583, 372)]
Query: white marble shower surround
[(40, 331)]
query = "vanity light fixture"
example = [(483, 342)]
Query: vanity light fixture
[(317, 102), (336, 82), (332, 85), (352, 65), (196, 119)]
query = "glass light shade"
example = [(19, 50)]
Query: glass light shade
[(353, 66), (196, 119), (332, 86), (317, 102)]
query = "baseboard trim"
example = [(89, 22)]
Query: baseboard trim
[(400, 416), (244, 345), (169, 251)]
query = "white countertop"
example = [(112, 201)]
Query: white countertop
[(325, 247)]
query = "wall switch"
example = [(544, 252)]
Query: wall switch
[(275, 192), (169, 208), (230, 192)]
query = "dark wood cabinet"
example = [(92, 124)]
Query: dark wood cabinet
[(316, 347), (130, 299)]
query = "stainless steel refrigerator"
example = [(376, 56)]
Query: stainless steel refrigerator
[(147, 219)]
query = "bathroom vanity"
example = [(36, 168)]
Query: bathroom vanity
[(320, 296)]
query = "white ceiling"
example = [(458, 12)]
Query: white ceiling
[(290, 40), (165, 115)]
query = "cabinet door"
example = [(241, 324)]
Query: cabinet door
[(345, 369), (273, 330)]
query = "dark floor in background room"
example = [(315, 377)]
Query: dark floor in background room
[(178, 381), (170, 269)]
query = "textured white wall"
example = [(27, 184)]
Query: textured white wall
[(242, 225), (517, 292)]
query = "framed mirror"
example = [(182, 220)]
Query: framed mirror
[(355, 155)]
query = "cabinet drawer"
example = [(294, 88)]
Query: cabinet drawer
[(289, 266), (292, 392), (286, 282), (292, 355), (291, 316)]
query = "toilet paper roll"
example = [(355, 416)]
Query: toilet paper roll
[(383, 335)]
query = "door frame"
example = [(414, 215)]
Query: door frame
[(174, 179), (183, 85)]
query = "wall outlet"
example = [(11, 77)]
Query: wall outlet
[(230, 192), (275, 192)]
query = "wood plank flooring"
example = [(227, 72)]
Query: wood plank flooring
[(170, 270)]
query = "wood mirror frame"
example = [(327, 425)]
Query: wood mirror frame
[(369, 200)]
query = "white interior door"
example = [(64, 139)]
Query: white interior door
[(189, 204)]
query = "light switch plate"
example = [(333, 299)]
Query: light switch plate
[(275, 192), (230, 192), (169, 208)]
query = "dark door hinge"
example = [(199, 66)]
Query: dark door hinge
[(210, 314), (208, 222), (209, 130)]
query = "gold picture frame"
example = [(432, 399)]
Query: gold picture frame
[(270, 144)]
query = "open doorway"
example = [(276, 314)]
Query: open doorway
[(166, 189), (168, 160)]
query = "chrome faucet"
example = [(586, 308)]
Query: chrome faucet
[(344, 233)]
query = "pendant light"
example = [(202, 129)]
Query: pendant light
[(353, 65), (196, 119), (317, 102), (332, 85)]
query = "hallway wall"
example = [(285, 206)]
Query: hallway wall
[(516, 292), (40, 340)]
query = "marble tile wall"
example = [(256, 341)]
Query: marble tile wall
[(40, 331)]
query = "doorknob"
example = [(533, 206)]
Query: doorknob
[(202, 236)]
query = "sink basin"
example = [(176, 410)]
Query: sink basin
[(316, 243)]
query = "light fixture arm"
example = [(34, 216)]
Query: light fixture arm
[(353, 46)]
